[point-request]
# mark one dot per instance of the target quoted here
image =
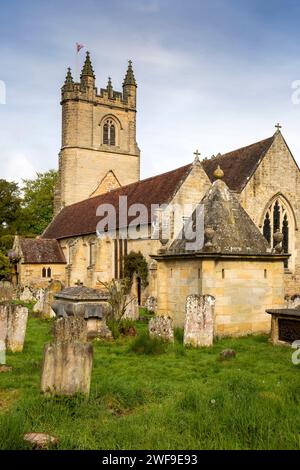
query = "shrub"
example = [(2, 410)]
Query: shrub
[(143, 344), (127, 327)]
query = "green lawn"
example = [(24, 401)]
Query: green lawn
[(180, 399)]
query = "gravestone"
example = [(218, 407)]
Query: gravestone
[(3, 331), (162, 327), (67, 362), (199, 321), (16, 328), (151, 304), (54, 288), (26, 295), (13, 323), (132, 310), (40, 300)]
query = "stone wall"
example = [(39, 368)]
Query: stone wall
[(243, 291), (84, 160), (277, 174), (31, 274)]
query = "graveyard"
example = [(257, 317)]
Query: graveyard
[(149, 393)]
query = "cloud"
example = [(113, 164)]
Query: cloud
[(18, 166)]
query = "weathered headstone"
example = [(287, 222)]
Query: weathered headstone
[(67, 363), (13, 323), (3, 331), (151, 304), (40, 300), (162, 327), (26, 295), (132, 310), (55, 286), (199, 320), (16, 328)]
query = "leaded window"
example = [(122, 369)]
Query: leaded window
[(109, 133)]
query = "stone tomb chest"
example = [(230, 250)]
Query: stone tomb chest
[(91, 304), (285, 325)]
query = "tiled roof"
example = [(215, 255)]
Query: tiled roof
[(239, 165), (80, 218), (41, 251), (234, 232)]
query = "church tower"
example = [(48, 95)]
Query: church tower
[(99, 151)]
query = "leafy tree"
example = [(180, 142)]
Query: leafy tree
[(135, 263), (38, 202), (4, 266), (10, 207)]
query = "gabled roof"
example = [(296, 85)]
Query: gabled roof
[(41, 251), (238, 165), (234, 232), (80, 218)]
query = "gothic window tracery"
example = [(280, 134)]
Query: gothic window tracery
[(109, 133), (278, 217)]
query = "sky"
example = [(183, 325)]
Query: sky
[(212, 75)]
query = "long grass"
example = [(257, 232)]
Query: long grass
[(177, 399)]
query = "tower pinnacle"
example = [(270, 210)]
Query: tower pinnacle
[(69, 82), (129, 77)]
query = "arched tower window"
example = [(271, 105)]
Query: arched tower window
[(280, 217), (49, 272), (44, 272), (109, 132)]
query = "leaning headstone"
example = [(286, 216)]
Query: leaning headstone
[(151, 304), (40, 300), (16, 328), (199, 320), (26, 295), (67, 363), (162, 327), (55, 286)]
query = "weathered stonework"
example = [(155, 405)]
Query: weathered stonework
[(85, 159), (162, 327), (199, 321), (13, 323), (151, 304), (67, 363)]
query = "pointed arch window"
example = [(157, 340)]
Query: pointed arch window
[(279, 217), (109, 132)]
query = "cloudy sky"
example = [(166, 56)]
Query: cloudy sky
[(212, 74)]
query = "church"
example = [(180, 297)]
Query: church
[(251, 245)]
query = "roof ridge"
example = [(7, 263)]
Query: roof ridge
[(215, 157), (131, 184)]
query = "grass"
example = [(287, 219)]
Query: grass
[(177, 399)]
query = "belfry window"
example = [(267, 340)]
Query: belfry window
[(109, 133), (277, 218)]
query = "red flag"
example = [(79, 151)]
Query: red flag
[(79, 46)]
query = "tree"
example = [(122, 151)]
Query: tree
[(4, 266), (135, 263), (38, 202), (10, 207)]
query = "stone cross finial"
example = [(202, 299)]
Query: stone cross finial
[(278, 127), (196, 159)]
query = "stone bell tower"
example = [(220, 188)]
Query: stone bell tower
[(99, 151)]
